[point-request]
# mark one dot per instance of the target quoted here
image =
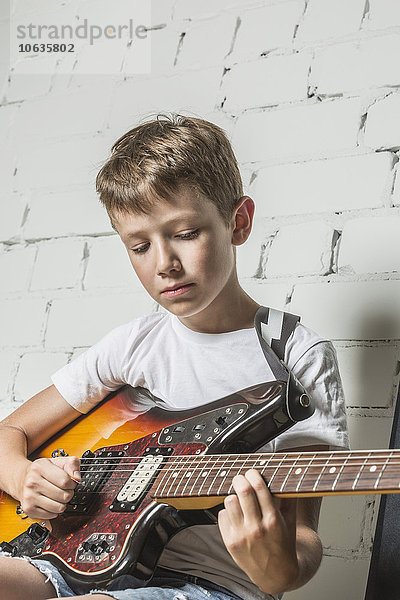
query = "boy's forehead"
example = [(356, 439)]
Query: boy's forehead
[(180, 209)]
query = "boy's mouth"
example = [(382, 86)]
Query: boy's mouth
[(177, 290)]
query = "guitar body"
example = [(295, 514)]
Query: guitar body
[(113, 525)]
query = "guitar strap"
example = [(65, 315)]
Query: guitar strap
[(274, 328)]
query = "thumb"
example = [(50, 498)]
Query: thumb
[(71, 465)]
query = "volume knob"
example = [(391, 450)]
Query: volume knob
[(58, 452)]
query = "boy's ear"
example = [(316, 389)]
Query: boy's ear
[(242, 220)]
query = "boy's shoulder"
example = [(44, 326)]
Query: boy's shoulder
[(301, 341)]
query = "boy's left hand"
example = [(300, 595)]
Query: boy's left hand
[(259, 531)]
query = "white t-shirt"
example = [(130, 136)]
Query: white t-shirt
[(181, 369)]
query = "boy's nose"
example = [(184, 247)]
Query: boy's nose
[(167, 261)]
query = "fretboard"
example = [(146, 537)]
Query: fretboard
[(287, 474)]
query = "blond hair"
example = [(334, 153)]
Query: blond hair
[(153, 160)]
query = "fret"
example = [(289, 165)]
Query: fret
[(230, 488), (340, 472), (243, 467), (321, 473), (188, 476), (224, 475), (219, 473), (276, 471), (165, 476), (176, 476), (305, 473), (353, 487), (204, 476), (268, 463), (289, 473), (383, 468)]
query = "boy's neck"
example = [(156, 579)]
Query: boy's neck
[(237, 314)]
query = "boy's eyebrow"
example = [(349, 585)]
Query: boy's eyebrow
[(133, 234)]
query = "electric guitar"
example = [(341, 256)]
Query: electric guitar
[(150, 472)]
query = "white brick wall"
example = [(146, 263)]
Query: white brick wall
[(307, 91), (304, 131), (382, 128)]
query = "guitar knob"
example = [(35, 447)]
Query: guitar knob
[(58, 452)]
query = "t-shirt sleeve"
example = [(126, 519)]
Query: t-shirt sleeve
[(85, 381), (317, 370)]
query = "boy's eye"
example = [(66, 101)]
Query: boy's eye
[(140, 249), (190, 235)]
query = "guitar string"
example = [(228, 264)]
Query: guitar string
[(191, 461)]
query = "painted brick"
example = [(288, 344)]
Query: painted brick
[(109, 266), (15, 268), (382, 127), (34, 373), (21, 321), (216, 35), (383, 14), (8, 364), (66, 213), (58, 265), (348, 183), (63, 114), (12, 211), (30, 78), (267, 28), (60, 164), (345, 578), (164, 46), (324, 19), (192, 91), (70, 324), (369, 433), (304, 248), (349, 512), (368, 374), (161, 11), (248, 255), (358, 310), (303, 131), (8, 114), (266, 82), (267, 294), (7, 168), (370, 245), (193, 10), (105, 57), (348, 67), (396, 190)]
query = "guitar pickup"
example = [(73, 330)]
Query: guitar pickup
[(95, 471), (140, 479)]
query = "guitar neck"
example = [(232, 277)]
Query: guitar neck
[(288, 474)]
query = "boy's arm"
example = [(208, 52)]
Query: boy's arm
[(274, 541), (43, 487)]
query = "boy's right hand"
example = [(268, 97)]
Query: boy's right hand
[(47, 486)]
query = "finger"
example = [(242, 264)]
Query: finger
[(265, 500), (70, 465), (288, 508), (53, 473), (233, 510), (247, 498)]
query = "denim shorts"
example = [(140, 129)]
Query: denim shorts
[(164, 585)]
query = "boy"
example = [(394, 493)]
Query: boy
[(173, 192)]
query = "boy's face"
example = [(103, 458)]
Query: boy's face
[(183, 254)]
